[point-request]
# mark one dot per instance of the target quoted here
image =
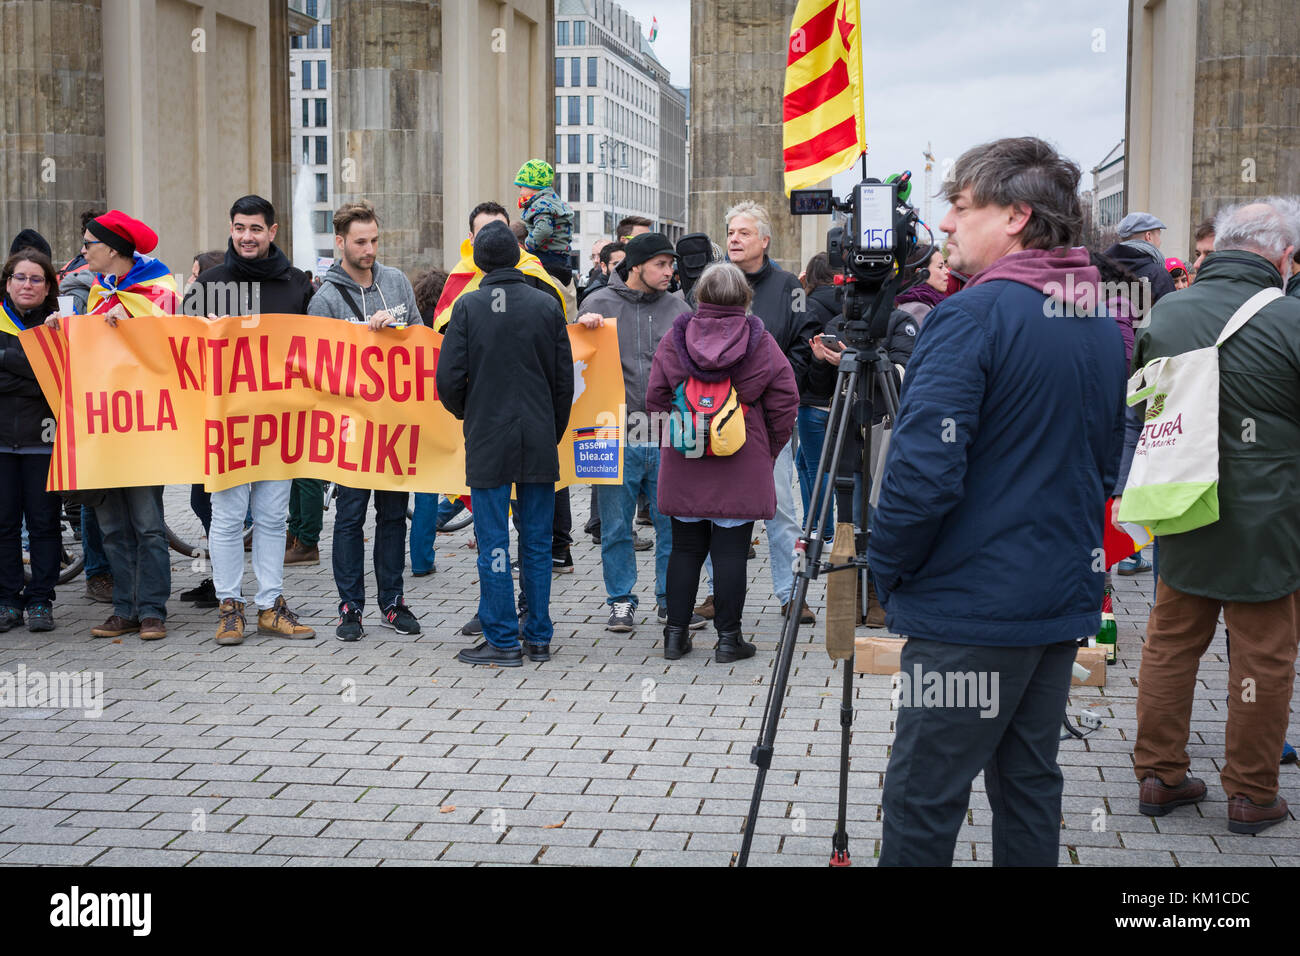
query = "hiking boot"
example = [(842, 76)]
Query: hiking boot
[(805, 615), (203, 596), (1247, 816), (677, 643), (10, 617), (100, 588), (230, 622), (282, 622), (705, 610), (1156, 798), (563, 563), (300, 553), (642, 544), (115, 626), (399, 617), (732, 647), (697, 620), (152, 629), (349, 628), (40, 616), (620, 617)]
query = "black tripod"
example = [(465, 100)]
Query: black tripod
[(864, 362)]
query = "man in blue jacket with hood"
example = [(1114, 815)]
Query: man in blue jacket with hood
[(1009, 435)]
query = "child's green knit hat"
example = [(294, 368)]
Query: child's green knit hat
[(535, 174)]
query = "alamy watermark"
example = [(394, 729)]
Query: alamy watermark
[(960, 689), (65, 690)]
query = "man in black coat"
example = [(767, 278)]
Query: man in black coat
[(1138, 250), (506, 370)]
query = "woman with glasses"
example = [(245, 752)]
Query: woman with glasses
[(26, 442)]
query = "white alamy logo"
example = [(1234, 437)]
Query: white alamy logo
[(70, 690), (75, 908)]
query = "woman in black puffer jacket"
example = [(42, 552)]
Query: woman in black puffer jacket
[(26, 442)]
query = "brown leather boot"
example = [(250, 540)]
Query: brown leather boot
[(230, 622), (152, 629), (299, 553), (282, 622), (288, 540), (705, 610), (1155, 798), (875, 611), (115, 626), (1247, 816)]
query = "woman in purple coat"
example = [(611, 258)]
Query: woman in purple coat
[(714, 501)]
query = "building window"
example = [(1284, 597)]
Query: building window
[(325, 36), (591, 148), (306, 73), (295, 42), (575, 187), (575, 110), (575, 71), (311, 9), (306, 150), (575, 148), (559, 141), (591, 187), (322, 187), (311, 39), (322, 151), (561, 32), (322, 220), (579, 32), (306, 112), (559, 71), (321, 118), (591, 111), (559, 111), (577, 221), (322, 68), (591, 71)]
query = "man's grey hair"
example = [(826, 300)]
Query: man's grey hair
[(755, 212), (1024, 171), (724, 284), (1266, 226)]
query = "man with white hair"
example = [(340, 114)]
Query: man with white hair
[(779, 301), (1138, 250), (1246, 564)]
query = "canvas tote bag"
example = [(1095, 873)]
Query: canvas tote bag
[(1173, 485)]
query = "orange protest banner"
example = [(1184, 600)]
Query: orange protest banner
[(180, 399)]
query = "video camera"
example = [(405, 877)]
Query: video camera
[(873, 249)]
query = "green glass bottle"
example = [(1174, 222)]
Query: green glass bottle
[(1108, 636)]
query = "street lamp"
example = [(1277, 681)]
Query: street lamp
[(612, 158)]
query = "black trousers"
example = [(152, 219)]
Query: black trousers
[(964, 708), (692, 542), (23, 479)]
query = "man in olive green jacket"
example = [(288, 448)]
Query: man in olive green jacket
[(1248, 562)]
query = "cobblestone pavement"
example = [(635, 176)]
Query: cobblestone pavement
[(391, 752)]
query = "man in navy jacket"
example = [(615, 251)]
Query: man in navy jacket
[(1009, 436)]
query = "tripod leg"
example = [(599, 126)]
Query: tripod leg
[(840, 842)]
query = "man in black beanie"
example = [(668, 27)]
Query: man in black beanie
[(506, 370)]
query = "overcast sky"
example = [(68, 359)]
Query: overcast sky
[(956, 73)]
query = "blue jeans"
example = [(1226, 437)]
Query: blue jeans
[(617, 510), (812, 435), (533, 514), (135, 540), (92, 545), (269, 501), (783, 527), (349, 545)]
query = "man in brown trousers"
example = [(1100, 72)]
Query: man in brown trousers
[(1247, 563)]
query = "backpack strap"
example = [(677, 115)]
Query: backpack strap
[(352, 303), (1247, 311)]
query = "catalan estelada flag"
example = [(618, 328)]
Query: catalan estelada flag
[(466, 277), (823, 125), (148, 288)]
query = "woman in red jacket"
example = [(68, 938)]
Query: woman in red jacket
[(714, 501)]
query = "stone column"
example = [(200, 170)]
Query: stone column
[(51, 119), (281, 141), (387, 75), (1245, 112), (737, 80)]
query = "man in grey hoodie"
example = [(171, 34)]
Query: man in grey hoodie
[(358, 289), (637, 297)]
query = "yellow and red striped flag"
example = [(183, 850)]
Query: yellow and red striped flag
[(823, 126)]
